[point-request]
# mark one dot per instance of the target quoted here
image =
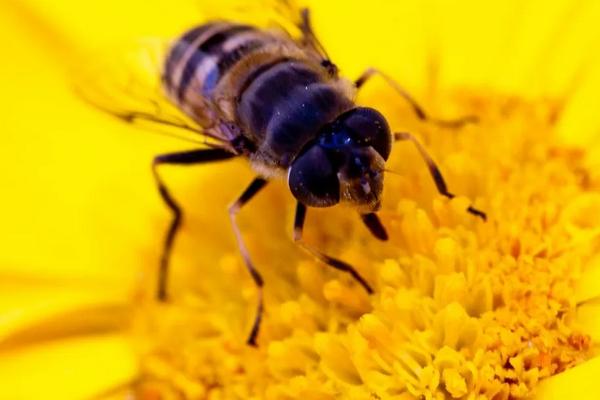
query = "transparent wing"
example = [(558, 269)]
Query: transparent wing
[(261, 13), (290, 16), (126, 82)]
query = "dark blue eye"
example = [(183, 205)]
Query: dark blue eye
[(313, 178), (367, 127)]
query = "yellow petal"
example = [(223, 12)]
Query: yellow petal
[(588, 315), (579, 383), (30, 311), (34, 313), (70, 369)]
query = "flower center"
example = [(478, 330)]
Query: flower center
[(461, 306)]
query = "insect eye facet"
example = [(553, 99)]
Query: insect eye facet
[(313, 180)]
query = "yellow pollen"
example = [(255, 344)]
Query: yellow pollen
[(462, 308)]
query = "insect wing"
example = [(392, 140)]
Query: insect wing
[(126, 82), (259, 13), (289, 16)]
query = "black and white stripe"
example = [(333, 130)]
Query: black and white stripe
[(205, 54)]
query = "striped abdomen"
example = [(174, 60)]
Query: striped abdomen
[(204, 54), (265, 83), (200, 59)]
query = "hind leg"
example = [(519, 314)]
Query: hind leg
[(184, 158)]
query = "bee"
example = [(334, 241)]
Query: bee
[(277, 100)]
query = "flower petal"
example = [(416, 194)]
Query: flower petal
[(579, 383), (32, 313), (68, 369)]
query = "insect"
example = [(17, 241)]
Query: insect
[(278, 101)]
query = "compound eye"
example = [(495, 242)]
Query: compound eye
[(369, 128), (313, 180)]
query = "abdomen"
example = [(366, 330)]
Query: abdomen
[(262, 81), (200, 59)]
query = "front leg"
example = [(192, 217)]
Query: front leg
[(373, 223), (435, 172), (418, 110), (183, 158), (332, 262)]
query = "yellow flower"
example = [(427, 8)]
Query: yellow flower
[(462, 308)]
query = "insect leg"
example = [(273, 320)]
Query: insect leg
[(373, 223), (332, 262), (419, 111), (435, 172), (254, 187), (183, 158)]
